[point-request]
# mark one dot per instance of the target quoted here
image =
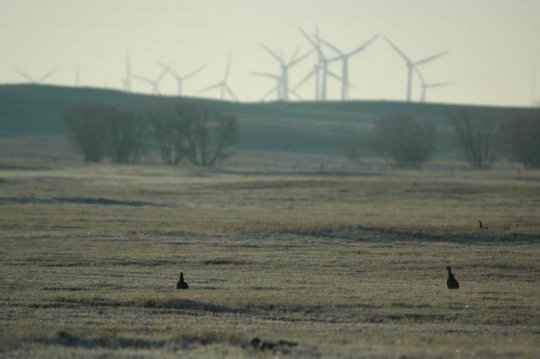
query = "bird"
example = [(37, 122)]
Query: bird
[(481, 225), (181, 283), (452, 282)]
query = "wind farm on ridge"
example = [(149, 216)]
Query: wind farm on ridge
[(326, 62)]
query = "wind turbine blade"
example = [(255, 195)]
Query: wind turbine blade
[(301, 58), (230, 92), (163, 72), (168, 69), (269, 93), (441, 84), (363, 46), (293, 57), (331, 74), (420, 76), (228, 69), (44, 77), (313, 43), (430, 58), (334, 59), (219, 84), (272, 53), (331, 46), (264, 74), (23, 74), (307, 77), (397, 50), (144, 79), (295, 94), (194, 72)]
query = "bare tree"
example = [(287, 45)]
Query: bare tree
[(170, 135), (86, 124), (522, 137), (408, 141), (477, 137), (194, 132), (126, 138), (208, 135), (101, 131)]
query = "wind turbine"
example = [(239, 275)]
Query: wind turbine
[(285, 66), (412, 65), (344, 57), (31, 79), (127, 80), (426, 86), (153, 82), (322, 65), (315, 73), (224, 88), (179, 78), (278, 88)]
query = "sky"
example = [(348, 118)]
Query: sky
[(493, 59)]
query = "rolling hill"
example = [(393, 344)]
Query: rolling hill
[(317, 127)]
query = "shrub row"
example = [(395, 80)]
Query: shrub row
[(187, 131), (410, 142)]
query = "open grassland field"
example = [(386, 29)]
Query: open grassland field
[(344, 266)]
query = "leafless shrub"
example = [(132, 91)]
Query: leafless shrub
[(408, 141), (522, 137), (195, 132), (103, 131), (477, 137), (126, 138), (86, 124), (170, 135)]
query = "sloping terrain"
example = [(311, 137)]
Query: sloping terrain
[(317, 127)]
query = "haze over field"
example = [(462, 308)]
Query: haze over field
[(494, 50)]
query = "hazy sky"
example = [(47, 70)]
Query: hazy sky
[(494, 44)]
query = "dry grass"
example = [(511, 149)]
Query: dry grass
[(345, 266)]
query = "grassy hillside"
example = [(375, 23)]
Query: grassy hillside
[(34, 110)]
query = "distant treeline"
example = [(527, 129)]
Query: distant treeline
[(203, 135), (410, 142), (324, 127)]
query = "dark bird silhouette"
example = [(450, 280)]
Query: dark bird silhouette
[(481, 225), (181, 283), (452, 282)]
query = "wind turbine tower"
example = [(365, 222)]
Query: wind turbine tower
[(344, 57), (127, 80), (412, 65), (322, 80)]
